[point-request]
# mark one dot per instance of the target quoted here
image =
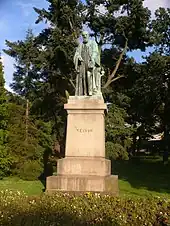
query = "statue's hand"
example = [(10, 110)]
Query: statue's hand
[(81, 59), (91, 64)]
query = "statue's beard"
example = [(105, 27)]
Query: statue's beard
[(85, 41)]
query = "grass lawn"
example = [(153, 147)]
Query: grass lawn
[(127, 190), (29, 187), (139, 177), (143, 177)]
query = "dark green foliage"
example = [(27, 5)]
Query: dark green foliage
[(26, 77), (30, 151), (116, 151), (120, 20), (44, 77), (123, 26), (29, 136), (88, 209), (45, 70), (160, 30), (118, 133), (150, 101), (30, 170), (5, 159), (59, 42), (3, 104)]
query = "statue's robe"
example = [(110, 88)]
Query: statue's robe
[(87, 71)]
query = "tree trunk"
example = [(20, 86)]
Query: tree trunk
[(111, 77)]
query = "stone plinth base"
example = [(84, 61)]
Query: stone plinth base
[(85, 127), (80, 184), (84, 168)]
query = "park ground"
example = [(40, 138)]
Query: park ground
[(137, 177)]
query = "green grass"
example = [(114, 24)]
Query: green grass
[(137, 177), (127, 190), (29, 187), (143, 177)]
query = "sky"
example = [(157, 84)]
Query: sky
[(16, 16)]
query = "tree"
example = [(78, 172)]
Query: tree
[(149, 87), (59, 42), (118, 27), (160, 30), (118, 133), (123, 25), (26, 76), (28, 59), (5, 158), (28, 154), (44, 70)]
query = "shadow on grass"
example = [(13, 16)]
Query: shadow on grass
[(48, 168), (144, 173), (48, 171)]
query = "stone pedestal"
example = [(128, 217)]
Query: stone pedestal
[(84, 167)]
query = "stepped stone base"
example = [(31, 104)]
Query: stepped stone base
[(80, 184), (84, 168)]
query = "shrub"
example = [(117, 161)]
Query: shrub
[(30, 170), (116, 151), (89, 209), (5, 162)]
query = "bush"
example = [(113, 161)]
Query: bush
[(5, 162), (30, 170), (116, 151), (89, 209)]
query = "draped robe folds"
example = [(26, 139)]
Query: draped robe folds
[(88, 69)]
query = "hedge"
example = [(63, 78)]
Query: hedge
[(88, 209)]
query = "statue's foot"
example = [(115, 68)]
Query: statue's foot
[(90, 94)]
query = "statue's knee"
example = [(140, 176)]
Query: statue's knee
[(89, 75)]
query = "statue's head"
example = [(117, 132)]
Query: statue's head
[(85, 36)]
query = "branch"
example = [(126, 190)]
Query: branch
[(70, 23), (72, 83), (112, 75), (118, 77), (72, 28)]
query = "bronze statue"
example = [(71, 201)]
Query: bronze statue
[(87, 65)]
